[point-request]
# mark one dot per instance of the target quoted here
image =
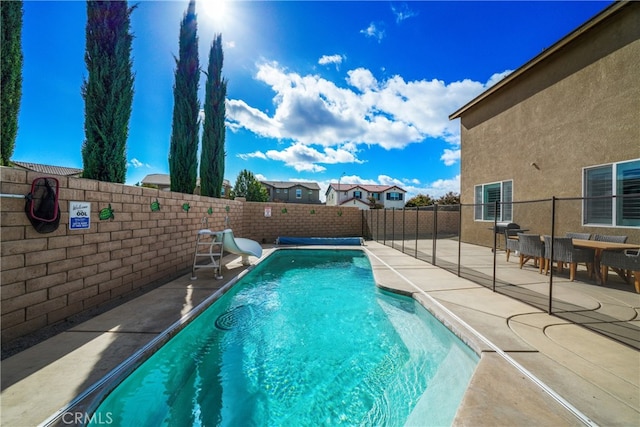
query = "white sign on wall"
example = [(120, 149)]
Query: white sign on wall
[(79, 215)]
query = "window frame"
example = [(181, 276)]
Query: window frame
[(482, 209), (614, 206), (391, 196), (298, 193)]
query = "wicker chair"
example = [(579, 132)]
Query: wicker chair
[(511, 244), (624, 263), (564, 251), (582, 236), (531, 247), (604, 238)]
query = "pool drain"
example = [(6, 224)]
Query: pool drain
[(233, 317)]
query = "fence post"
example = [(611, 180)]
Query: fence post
[(417, 229), (460, 236), (495, 244), (393, 227), (403, 227), (384, 235), (434, 234), (377, 225), (553, 236)]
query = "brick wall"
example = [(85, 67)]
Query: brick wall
[(46, 278), (298, 220)]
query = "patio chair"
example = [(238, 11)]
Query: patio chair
[(564, 251), (582, 236), (624, 262), (511, 244), (605, 238), (531, 247)]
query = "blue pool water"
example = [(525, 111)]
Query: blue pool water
[(304, 339)]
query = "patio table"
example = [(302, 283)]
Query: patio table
[(598, 248)]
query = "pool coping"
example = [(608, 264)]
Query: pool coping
[(483, 347)]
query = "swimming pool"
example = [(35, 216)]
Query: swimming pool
[(305, 338)]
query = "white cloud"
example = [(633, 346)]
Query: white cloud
[(255, 154), (135, 163), (240, 115), (434, 189), (402, 12), (332, 121), (450, 157), (362, 79), (331, 59), (497, 77), (307, 158), (373, 31)]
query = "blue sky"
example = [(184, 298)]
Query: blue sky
[(317, 91)]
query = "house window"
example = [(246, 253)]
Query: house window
[(278, 190), (357, 194), (298, 193), (618, 179), (394, 195), (375, 196), (486, 196)]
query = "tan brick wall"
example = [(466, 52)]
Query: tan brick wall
[(46, 278), (300, 220)]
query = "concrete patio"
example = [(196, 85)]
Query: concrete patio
[(535, 369)]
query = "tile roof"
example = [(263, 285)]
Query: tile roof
[(368, 188), (157, 179), (54, 170)]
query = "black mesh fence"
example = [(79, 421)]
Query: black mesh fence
[(460, 239)]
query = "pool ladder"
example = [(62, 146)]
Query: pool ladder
[(208, 245)]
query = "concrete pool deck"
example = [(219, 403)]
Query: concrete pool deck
[(535, 369)]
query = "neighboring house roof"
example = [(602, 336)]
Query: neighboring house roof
[(54, 170), (289, 184), (367, 188), (157, 179), (546, 53), (164, 180)]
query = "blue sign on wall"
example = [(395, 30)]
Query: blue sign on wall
[(79, 215)]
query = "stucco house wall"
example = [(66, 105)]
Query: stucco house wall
[(285, 192), (575, 106), (346, 196)]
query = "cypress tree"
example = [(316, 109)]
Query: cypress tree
[(213, 136), (108, 90), (183, 151), (11, 68)]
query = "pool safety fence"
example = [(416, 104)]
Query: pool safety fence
[(462, 239)]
